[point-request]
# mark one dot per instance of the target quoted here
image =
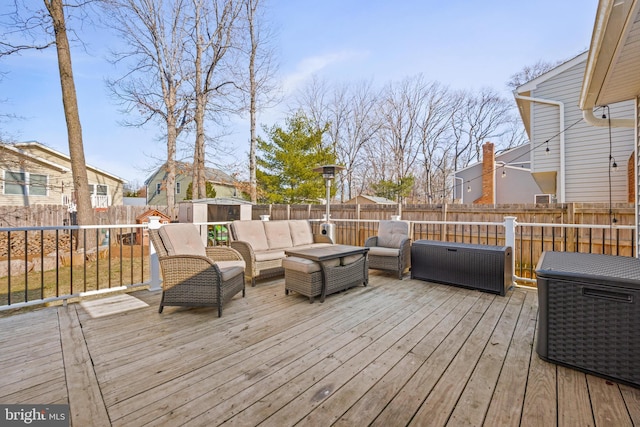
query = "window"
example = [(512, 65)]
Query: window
[(37, 185), (158, 187), (101, 190), (25, 183), (177, 188), (15, 183)]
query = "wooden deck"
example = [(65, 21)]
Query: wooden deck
[(392, 354)]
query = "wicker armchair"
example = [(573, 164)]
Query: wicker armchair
[(194, 275), (391, 248)]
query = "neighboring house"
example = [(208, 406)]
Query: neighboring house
[(34, 174), (612, 76), (499, 179), (223, 183), (364, 199), (570, 157)]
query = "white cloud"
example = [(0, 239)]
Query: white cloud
[(309, 66)]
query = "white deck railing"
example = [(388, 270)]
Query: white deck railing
[(122, 258)]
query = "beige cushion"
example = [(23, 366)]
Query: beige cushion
[(269, 255), (230, 272), (392, 233), (304, 265), (234, 263), (278, 234), (251, 232), (182, 239), (380, 251), (301, 233), (350, 259)]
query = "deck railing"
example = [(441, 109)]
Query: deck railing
[(39, 264)]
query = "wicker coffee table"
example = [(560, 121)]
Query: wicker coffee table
[(341, 267)]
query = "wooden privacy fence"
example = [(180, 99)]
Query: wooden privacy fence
[(58, 215)]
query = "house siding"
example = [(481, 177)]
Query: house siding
[(586, 147), (60, 182), (184, 179), (56, 181)]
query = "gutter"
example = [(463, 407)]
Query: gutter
[(560, 105), (615, 123)]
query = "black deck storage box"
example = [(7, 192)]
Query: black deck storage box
[(483, 267), (589, 313)]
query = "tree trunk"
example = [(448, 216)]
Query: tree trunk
[(72, 116), (253, 182), (199, 182)]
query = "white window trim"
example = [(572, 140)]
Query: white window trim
[(26, 185)]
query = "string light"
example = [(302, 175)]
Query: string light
[(468, 187), (504, 173), (546, 151)]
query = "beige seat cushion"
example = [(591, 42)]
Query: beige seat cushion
[(379, 251), (182, 239), (306, 266), (234, 263), (350, 259), (278, 234), (253, 232), (392, 233), (301, 233), (230, 272), (269, 255)]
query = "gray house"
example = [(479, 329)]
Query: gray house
[(611, 76), (499, 179), (575, 155)]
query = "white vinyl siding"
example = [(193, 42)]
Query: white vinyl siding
[(586, 147)]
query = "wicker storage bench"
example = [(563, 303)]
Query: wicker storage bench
[(589, 313), (483, 267)]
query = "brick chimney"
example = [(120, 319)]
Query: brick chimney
[(488, 176)]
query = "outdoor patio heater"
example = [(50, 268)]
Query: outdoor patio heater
[(328, 173)]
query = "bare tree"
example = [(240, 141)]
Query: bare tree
[(433, 133), (213, 34), (401, 111), (349, 110), (476, 118), (49, 25), (260, 86), (530, 72), (154, 85)]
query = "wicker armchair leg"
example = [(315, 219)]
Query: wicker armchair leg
[(161, 303)]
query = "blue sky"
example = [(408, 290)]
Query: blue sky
[(461, 44)]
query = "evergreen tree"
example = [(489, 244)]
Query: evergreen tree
[(210, 189), (285, 164), (394, 190)]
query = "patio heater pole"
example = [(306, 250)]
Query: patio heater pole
[(328, 173)]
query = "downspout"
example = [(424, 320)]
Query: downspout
[(560, 105)]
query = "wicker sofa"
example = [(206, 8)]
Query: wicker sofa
[(262, 244)]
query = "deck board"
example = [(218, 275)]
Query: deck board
[(392, 353)]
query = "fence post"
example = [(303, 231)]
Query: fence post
[(510, 239), (154, 224)]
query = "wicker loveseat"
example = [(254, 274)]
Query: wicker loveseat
[(263, 244), (194, 275)]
